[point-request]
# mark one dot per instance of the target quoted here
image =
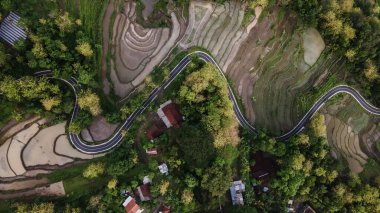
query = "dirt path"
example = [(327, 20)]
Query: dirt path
[(54, 189), (105, 40), (23, 184)]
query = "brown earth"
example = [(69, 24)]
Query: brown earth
[(23, 184), (54, 189)]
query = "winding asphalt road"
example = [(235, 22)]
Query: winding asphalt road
[(112, 142)]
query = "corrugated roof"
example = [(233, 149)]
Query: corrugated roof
[(10, 31)]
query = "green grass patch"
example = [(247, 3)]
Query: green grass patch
[(371, 170), (79, 186), (306, 101), (71, 7), (281, 15), (378, 145), (66, 173), (5, 206)]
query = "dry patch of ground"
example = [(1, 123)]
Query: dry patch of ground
[(23, 184), (313, 45), (137, 50), (148, 8), (99, 130), (34, 150), (63, 147), (5, 169), (40, 150), (54, 189), (9, 130)]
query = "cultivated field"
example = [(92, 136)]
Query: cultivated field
[(345, 143), (33, 150), (269, 69), (346, 114), (218, 28), (137, 50)]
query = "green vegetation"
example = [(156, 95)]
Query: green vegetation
[(209, 150), (307, 100), (308, 174), (378, 145), (351, 28), (67, 44)]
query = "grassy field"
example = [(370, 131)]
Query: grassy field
[(91, 13), (371, 170), (66, 173), (307, 100), (79, 186)]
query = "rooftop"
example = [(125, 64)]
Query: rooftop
[(163, 169), (143, 191), (237, 188), (170, 114), (10, 31), (131, 206)]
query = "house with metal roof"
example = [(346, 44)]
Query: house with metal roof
[(237, 188), (10, 30)]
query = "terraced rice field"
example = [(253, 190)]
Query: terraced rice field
[(217, 28), (137, 50), (345, 142), (31, 150), (359, 122), (283, 76)]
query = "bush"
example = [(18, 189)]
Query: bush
[(94, 170)]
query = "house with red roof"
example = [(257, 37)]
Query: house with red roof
[(143, 192), (131, 206), (164, 209), (170, 114)]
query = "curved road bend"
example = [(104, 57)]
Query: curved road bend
[(116, 138)]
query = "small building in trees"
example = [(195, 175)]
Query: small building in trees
[(237, 188), (170, 114), (155, 130), (143, 190), (164, 209), (131, 206), (163, 169), (263, 170), (307, 209), (10, 30), (152, 151)]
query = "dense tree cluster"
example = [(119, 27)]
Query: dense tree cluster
[(308, 174), (352, 28)]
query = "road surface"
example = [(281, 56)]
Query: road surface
[(113, 141)]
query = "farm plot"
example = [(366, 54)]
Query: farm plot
[(218, 28), (345, 144), (137, 50), (30, 150), (283, 76), (347, 110)]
